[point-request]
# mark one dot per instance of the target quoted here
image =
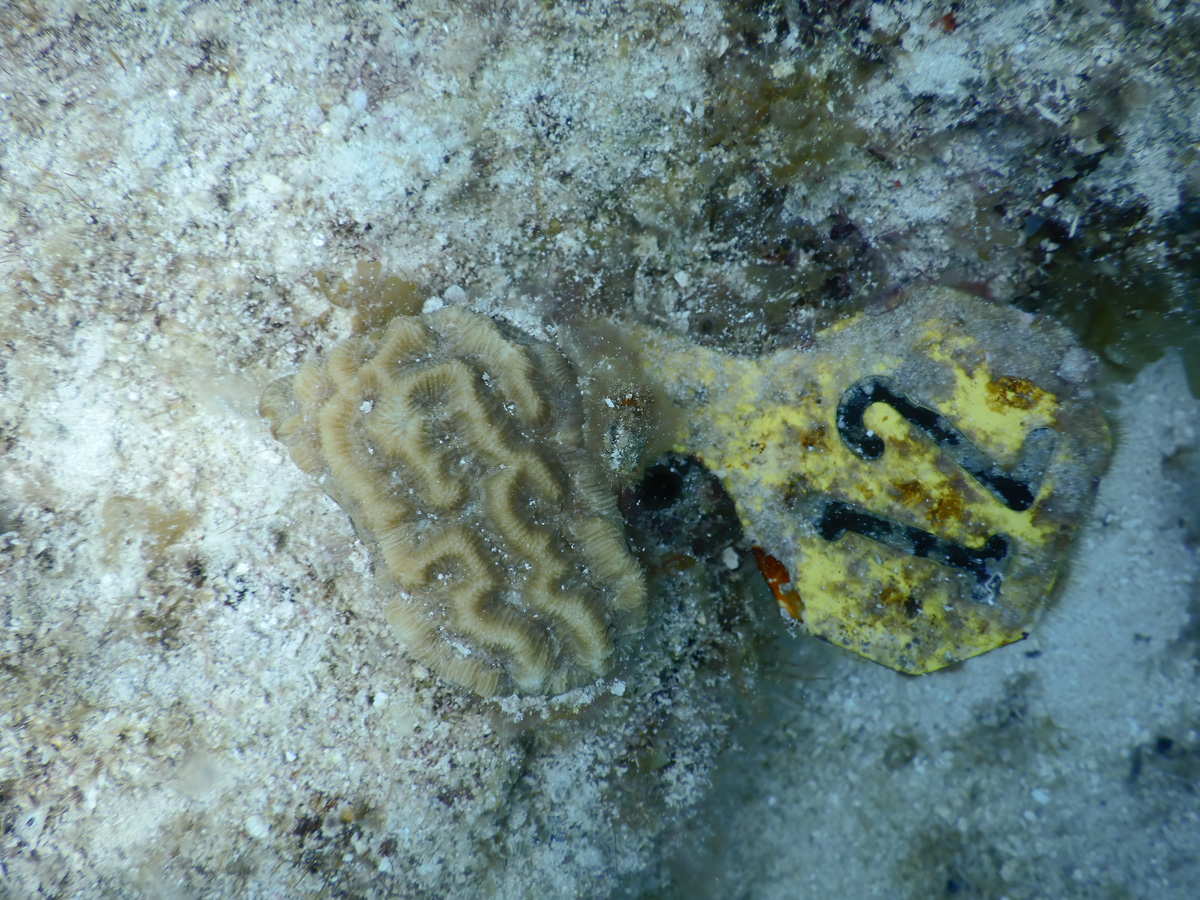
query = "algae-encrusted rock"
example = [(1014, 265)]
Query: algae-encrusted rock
[(458, 452)]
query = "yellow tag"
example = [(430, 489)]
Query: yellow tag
[(912, 480)]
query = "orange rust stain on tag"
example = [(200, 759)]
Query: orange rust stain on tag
[(1017, 393), (779, 581)]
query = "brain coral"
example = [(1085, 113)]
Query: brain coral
[(457, 450)]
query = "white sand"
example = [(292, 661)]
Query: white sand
[(198, 694)]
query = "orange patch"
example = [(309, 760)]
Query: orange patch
[(813, 439), (911, 492), (946, 508), (892, 596), (780, 582), (1015, 393)]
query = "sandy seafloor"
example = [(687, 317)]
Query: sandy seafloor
[(199, 696)]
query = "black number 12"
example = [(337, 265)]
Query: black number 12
[(1016, 488)]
